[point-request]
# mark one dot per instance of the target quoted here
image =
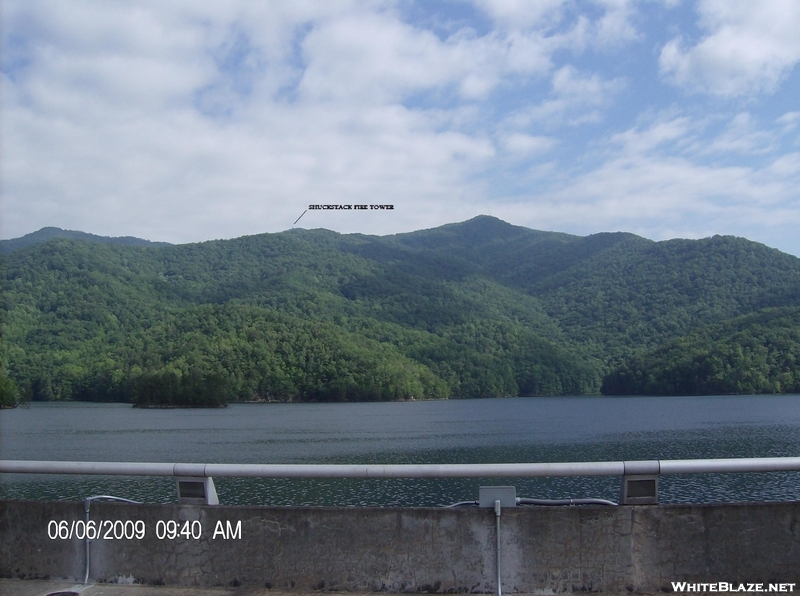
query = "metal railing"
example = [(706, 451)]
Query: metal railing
[(520, 470), (634, 471)]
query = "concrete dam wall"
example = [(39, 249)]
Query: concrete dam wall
[(558, 549)]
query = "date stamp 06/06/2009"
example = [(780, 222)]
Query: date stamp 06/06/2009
[(138, 529)]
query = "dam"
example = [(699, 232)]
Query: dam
[(500, 543)]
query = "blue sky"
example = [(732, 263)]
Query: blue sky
[(187, 120)]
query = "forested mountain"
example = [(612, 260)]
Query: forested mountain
[(476, 309), (49, 233), (756, 353)]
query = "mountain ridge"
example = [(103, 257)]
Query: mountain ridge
[(480, 308), (49, 233)]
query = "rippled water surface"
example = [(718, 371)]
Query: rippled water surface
[(458, 431)]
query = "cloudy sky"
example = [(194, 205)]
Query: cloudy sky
[(189, 120)]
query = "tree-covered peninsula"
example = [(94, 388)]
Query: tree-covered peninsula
[(477, 309)]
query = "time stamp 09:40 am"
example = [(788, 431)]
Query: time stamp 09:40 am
[(137, 530)]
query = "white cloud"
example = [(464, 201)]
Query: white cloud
[(650, 181), (789, 121), (655, 196), (376, 58), (106, 135), (576, 99), (750, 47), (669, 130), (786, 167), (742, 136), (567, 81), (616, 26), (188, 120), (524, 144), (191, 120), (524, 14), (613, 28)]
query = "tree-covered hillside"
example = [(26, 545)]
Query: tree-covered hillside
[(617, 293), (477, 309), (45, 234), (756, 353)]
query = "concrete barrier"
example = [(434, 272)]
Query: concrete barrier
[(566, 549)]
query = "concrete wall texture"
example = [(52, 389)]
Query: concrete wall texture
[(568, 549)]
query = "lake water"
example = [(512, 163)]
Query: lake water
[(457, 431)]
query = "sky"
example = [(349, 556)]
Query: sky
[(186, 121)]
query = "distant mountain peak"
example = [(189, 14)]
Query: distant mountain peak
[(50, 232)]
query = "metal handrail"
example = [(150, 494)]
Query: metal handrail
[(519, 470)]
